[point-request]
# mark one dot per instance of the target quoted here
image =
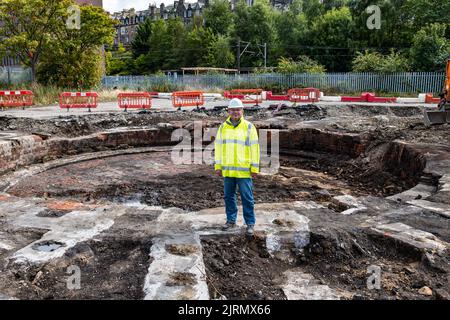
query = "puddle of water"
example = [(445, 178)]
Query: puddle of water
[(48, 246)]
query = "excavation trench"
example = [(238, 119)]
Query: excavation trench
[(314, 165), (134, 169)]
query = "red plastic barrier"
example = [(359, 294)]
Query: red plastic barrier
[(304, 95), (362, 98), (230, 96), (253, 96), (140, 100), (368, 97), (429, 98), (70, 100), (270, 96), (188, 99), (16, 98), (371, 98)]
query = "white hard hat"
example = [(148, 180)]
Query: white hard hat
[(235, 104)]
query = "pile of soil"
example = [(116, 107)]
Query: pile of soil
[(112, 266), (241, 268), (342, 260)]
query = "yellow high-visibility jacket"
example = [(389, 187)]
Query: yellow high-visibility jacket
[(237, 149)]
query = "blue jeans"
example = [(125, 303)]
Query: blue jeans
[(246, 191)]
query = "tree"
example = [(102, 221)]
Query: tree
[(394, 62), (254, 24), (312, 9), (74, 57), (220, 54), (120, 62), (292, 31), (304, 64), (196, 47), (176, 35), (332, 33), (141, 44), (29, 25), (333, 4), (219, 17), (376, 62), (423, 12), (367, 61), (166, 47), (430, 48)]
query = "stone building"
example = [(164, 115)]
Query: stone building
[(129, 20)]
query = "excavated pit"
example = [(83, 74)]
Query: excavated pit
[(145, 216), (313, 166)]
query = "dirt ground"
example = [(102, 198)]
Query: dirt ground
[(403, 271), (112, 267), (241, 268), (114, 263), (144, 177)]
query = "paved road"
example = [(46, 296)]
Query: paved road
[(161, 105)]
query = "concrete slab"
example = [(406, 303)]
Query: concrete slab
[(303, 286), (414, 237)]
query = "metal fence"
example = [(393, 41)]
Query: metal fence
[(14, 75), (412, 82)]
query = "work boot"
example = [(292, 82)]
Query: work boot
[(250, 230), (228, 226)]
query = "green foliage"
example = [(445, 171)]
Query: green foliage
[(120, 62), (219, 17), (197, 45), (141, 41), (29, 26), (394, 62), (430, 48), (37, 33), (220, 54), (304, 64), (333, 29), (292, 31), (367, 61), (74, 58), (376, 62), (254, 24), (311, 36)]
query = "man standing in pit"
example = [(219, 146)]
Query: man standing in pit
[(237, 160)]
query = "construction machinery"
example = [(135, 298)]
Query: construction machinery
[(440, 115)]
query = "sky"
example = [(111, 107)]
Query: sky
[(118, 5)]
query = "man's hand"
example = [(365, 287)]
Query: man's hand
[(219, 173), (254, 175)]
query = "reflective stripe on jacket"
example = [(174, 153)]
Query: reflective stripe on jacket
[(237, 149)]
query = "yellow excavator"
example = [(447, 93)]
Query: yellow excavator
[(442, 114)]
